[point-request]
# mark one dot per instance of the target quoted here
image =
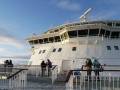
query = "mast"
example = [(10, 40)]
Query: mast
[(85, 16)]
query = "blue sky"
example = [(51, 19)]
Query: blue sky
[(19, 19)]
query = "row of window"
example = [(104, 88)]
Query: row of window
[(115, 47), (94, 32), (56, 50), (74, 49), (77, 33)]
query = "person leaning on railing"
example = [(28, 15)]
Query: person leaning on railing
[(97, 67), (88, 65), (49, 66)]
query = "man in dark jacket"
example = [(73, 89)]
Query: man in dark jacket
[(43, 68)]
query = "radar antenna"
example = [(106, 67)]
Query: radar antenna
[(84, 17)]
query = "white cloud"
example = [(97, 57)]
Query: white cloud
[(7, 40), (2, 49), (67, 5)]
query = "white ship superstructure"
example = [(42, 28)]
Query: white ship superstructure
[(73, 42)]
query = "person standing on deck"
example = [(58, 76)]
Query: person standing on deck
[(88, 65), (49, 64), (97, 67), (43, 68)]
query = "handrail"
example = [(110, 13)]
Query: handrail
[(20, 70), (54, 66), (71, 71)]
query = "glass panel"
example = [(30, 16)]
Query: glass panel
[(116, 47), (57, 38), (31, 42), (73, 48), (82, 33), (109, 24), (51, 39), (40, 52), (40, 41), (118, 24), (115, 35), (93, 32), (35, 41), (44, 51), (72, 34), (102, 32), (60, 49), (54, 50), (45, 40), (107, 34), (108, 48)]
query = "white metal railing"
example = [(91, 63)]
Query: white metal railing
[(54, 73), (107, 80), (12, 79), (36, 70)]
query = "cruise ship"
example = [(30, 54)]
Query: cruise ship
[(68, 46)]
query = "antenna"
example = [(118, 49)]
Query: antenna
[(84, 17)]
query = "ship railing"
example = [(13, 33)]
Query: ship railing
[(107, 80), (12, 78), (54, 73), (35, 70)]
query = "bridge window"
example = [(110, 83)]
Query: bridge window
[(46, 40), (93, 32), (108, 48), (109, 24), (118, 24), (116, 47), (72, 34), (57, 38), (74, 48), (102, 32), (107, 34), (115, 35), (82, 33), (35, 41), (51, 39), (31, 42), (41, 41), (60, 49)]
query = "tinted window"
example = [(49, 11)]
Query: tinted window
[(109, 24), (40, 52), (115, 35), (117, 24), (73, 48), (40, 41), (72, 34), (31, 42), (82, 33), (102, 32), (57, 38), (93, 32), (45, 40), (51, 39), (116, 47), (43, 51), (107, 34), (108, 48), (54, 50), (60, 49), (35, 41)]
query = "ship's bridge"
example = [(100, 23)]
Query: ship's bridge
[(107, 29)]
